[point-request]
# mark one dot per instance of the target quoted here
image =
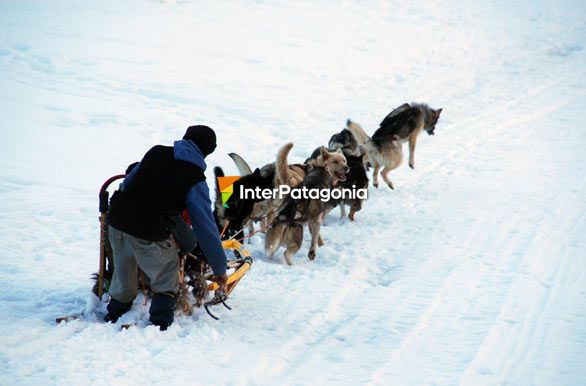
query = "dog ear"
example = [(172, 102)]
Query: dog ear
[(324, 152), (438, 112), (256, 172)]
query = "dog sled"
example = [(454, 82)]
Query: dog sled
[(196, 285)]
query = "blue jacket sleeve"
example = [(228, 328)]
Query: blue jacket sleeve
[(205, 229)]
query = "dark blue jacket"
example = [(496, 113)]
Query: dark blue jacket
[(199, 208), (167, 180)]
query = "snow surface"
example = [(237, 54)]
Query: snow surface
[(471, 272)]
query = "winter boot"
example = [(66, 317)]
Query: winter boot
[(163, 310), (115, 310)]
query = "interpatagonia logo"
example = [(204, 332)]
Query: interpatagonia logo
[(226, 185), (303, 193)]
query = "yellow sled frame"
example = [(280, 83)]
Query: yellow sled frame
[(235, 276), (241, 265)]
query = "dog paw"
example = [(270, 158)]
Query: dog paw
[(288, 260), (411, 165), (375, 185), (311, 255), (391, 186)]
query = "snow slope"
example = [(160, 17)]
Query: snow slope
[(471, 272)]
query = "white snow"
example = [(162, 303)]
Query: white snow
[(471, 272)]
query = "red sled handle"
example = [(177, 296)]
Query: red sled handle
[(104, 196)]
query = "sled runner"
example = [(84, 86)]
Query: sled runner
[(195, 275)]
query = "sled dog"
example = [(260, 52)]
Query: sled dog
[(345, 141), (244, 212), (403, 124), (356, 178), (240, 212), (287, 228), (407, 122)]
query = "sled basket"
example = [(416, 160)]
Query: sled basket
[(195, 275)]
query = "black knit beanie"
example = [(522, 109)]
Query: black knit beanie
[(203, 136)]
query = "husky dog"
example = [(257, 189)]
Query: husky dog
[(239, 211), (345, 141), (324, 172), (388, 153), (406, 122), (403, 124), (287, 228), (263, 210), (333, 161), (286, 174), (356, 178), (342, 142)]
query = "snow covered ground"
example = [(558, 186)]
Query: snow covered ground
[(471, 272)]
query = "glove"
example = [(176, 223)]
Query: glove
[(221, 280)]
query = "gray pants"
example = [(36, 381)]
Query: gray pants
[(158, 260)]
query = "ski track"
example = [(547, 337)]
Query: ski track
[(470, 272)]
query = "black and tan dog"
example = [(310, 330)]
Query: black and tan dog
[(287, 228), (324, 172), (240, 211), (345, 142), (356, 178), (357, 162), (403, 124)]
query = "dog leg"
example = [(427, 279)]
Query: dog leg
[(294, 237), (320, 241), (314, 227), (366, 162), (288, 256), (313, 246), (375, 175), (342, 210), (352, 212), (272, 214), (356, 206), (385, 173), (250, 229), (273, 239), (412, 143)]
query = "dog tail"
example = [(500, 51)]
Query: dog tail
[(363, 139), (243, 167), (218, 207), (358, 132), (282, 165)]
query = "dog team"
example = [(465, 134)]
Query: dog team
[(342, 165)]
